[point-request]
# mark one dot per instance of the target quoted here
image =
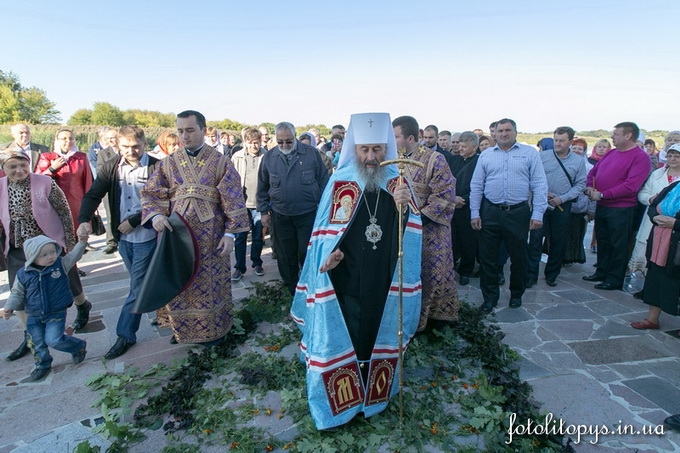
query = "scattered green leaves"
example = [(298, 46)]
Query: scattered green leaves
[(461, 384)]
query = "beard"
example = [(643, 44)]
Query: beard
[(371, 177)]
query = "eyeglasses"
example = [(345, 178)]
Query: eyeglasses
[(287, 142)]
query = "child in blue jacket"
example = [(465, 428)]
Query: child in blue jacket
[(41, 289)]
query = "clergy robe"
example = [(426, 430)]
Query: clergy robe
[(206, 191), (435, 190), (352, 363)]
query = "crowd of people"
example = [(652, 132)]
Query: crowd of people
[(466, 202)]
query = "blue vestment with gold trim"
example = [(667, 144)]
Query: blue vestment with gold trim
[(335, 389)]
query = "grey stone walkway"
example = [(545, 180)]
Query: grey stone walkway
[(579, 353)]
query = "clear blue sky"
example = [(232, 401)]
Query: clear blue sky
[(457, 64)]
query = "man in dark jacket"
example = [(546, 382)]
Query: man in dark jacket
[(464, 238), (291, 179), (21, 134), (108, 152), (122, 179)]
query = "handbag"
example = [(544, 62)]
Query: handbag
[(98, 227), (579, 205)]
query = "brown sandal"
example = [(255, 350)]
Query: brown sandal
[(645, 325)]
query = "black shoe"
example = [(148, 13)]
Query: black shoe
[(593, 278), (607, 286), (672, 422), (531, 283), (487, 307), (173, 340), (79, 356), (39, 374), (463, 280), (109, 249), (118, 349), (501, 279), (81, 273), (19, 352), (515, 302), (550, 281), (83, 315)]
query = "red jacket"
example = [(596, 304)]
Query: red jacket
[(74, 178)]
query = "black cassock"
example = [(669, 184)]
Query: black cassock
[(362, 279)]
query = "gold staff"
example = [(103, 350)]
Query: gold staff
[(401, 163)]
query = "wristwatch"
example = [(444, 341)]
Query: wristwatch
[(601, 196)]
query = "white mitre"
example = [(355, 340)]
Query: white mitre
[(364, 129)]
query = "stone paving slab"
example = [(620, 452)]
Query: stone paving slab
[(659, 391), (571, 392), (513, 315), (529, 370), (570, 311), (631, 397), (613, 328), (605, 307), (579, 295), (629, 349), (570, 329)]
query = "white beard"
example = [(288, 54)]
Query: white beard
[(371, 177)]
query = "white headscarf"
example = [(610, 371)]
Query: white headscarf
[(368, 128)]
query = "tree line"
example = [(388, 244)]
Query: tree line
[(31, 105)]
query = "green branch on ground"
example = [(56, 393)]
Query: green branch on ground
[(461, 384)]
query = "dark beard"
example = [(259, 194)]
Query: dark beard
[(371, 177)]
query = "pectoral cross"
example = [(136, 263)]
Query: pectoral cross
[(370, 123)]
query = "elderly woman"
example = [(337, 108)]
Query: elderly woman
[(657, 181), (69, 168), (662, 283), (31, 205), (669, 140)]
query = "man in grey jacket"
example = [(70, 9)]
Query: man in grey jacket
[(566, 175)]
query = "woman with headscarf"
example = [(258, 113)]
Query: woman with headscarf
[(669, 140), (662, 283), (600, 149), (31, 205), (308, 139), (545, 144), (657, 181), (69, 168)]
